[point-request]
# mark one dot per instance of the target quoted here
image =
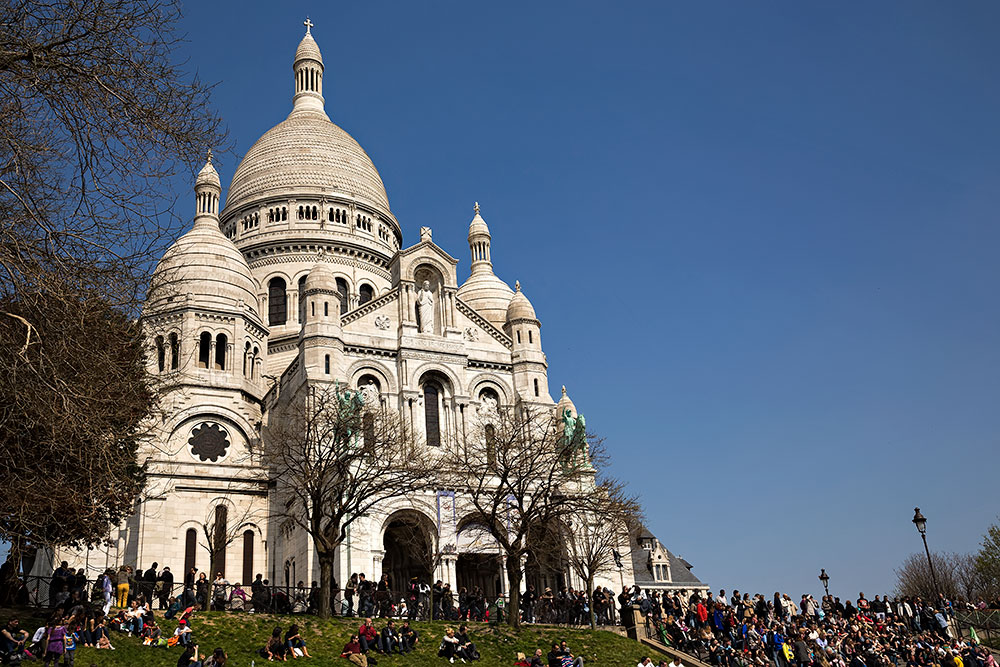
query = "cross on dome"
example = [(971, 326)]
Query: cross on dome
[(210, 156), (476, 208), (308, 24)]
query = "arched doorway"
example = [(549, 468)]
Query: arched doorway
[(409, 542), (479, 561), (547, 565)]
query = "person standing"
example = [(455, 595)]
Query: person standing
[(122, 589), (166, 587)]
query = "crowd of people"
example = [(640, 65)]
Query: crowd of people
[(754, 631)]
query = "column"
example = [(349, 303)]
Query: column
[(377, 557), (448, 569)]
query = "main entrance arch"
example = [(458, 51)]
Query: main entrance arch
[(409, 541), (479, 564)]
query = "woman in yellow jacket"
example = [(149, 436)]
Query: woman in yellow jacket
[(122, 590)]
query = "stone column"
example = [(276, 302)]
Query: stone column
[(377, 557), (448, 569)]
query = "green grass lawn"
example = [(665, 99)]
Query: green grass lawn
[(241, 635)]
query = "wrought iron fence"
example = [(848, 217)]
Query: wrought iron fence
[(49, 592)]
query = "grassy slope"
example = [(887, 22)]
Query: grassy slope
[(241, 635)]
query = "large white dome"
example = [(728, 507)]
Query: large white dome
[(307, 154)]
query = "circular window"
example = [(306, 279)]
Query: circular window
[(209, 442)]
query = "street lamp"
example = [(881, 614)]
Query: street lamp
[(920, 521), (825, 578)]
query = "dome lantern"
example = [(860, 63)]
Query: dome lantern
[(484, 291), (308, 68), (207, 190)]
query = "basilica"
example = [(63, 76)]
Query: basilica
[(301, 279)]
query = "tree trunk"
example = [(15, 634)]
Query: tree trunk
[(593, 612), (514, 579), (325, 576), (12, 570)]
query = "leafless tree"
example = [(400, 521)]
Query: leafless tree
[(913, 576), (73, 410), (520, 476), (335, 460), (220, 529), (96, 118), (601, 530)]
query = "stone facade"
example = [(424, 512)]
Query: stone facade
[(303, 279)]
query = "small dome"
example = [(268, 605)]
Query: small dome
[(308, 49), (565, 404), (208, 175), (519, 307), (321, 277), (487, 295), (205, 267)]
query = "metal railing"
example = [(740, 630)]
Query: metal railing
[(49, 592)]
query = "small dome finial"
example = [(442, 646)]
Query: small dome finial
[(517, 285), (308, 24), (564, 390), (476, 208), (209, 156)]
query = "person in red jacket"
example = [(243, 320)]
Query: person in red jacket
[(702, 612), (367, 636)]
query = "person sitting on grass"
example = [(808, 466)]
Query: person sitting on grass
[(184, 634), (467, 650), (190, 657), (352, 651), (295, 644), (389, 639), (449, 645), (408, 637), (217, 659), (368, 636), (173, 608), (12, 641), (274, 650), (537, 660)]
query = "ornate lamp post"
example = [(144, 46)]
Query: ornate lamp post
[(920, 521), (825, 578)]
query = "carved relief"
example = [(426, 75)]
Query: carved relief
[(382, 322), (471, 333)]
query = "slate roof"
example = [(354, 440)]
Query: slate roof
[(680, 569)]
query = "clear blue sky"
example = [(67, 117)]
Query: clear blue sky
[(761, 237)]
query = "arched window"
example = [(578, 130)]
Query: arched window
[(531, 336), (342, 288), (219, 533), (161, 354), (221, 347), (326, 364), (331, 215), (491, 445), (190, 549), (432, 416), (315, 214), (518, 335), (175, 351), (204, 350), (248, 555), (300, 212), (302, 299), (284, 213), (536, 386), (326, 309), (253, 363), (247, 360), (277, 312), (365, 294)]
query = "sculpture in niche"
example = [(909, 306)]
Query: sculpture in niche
[(209, 442), (425, 308), (370, 394)]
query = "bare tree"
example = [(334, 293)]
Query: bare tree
[(96, 117), (914, 576), (220, 529), (73, 409), (335, 460), (601, 530), (521, 475)]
